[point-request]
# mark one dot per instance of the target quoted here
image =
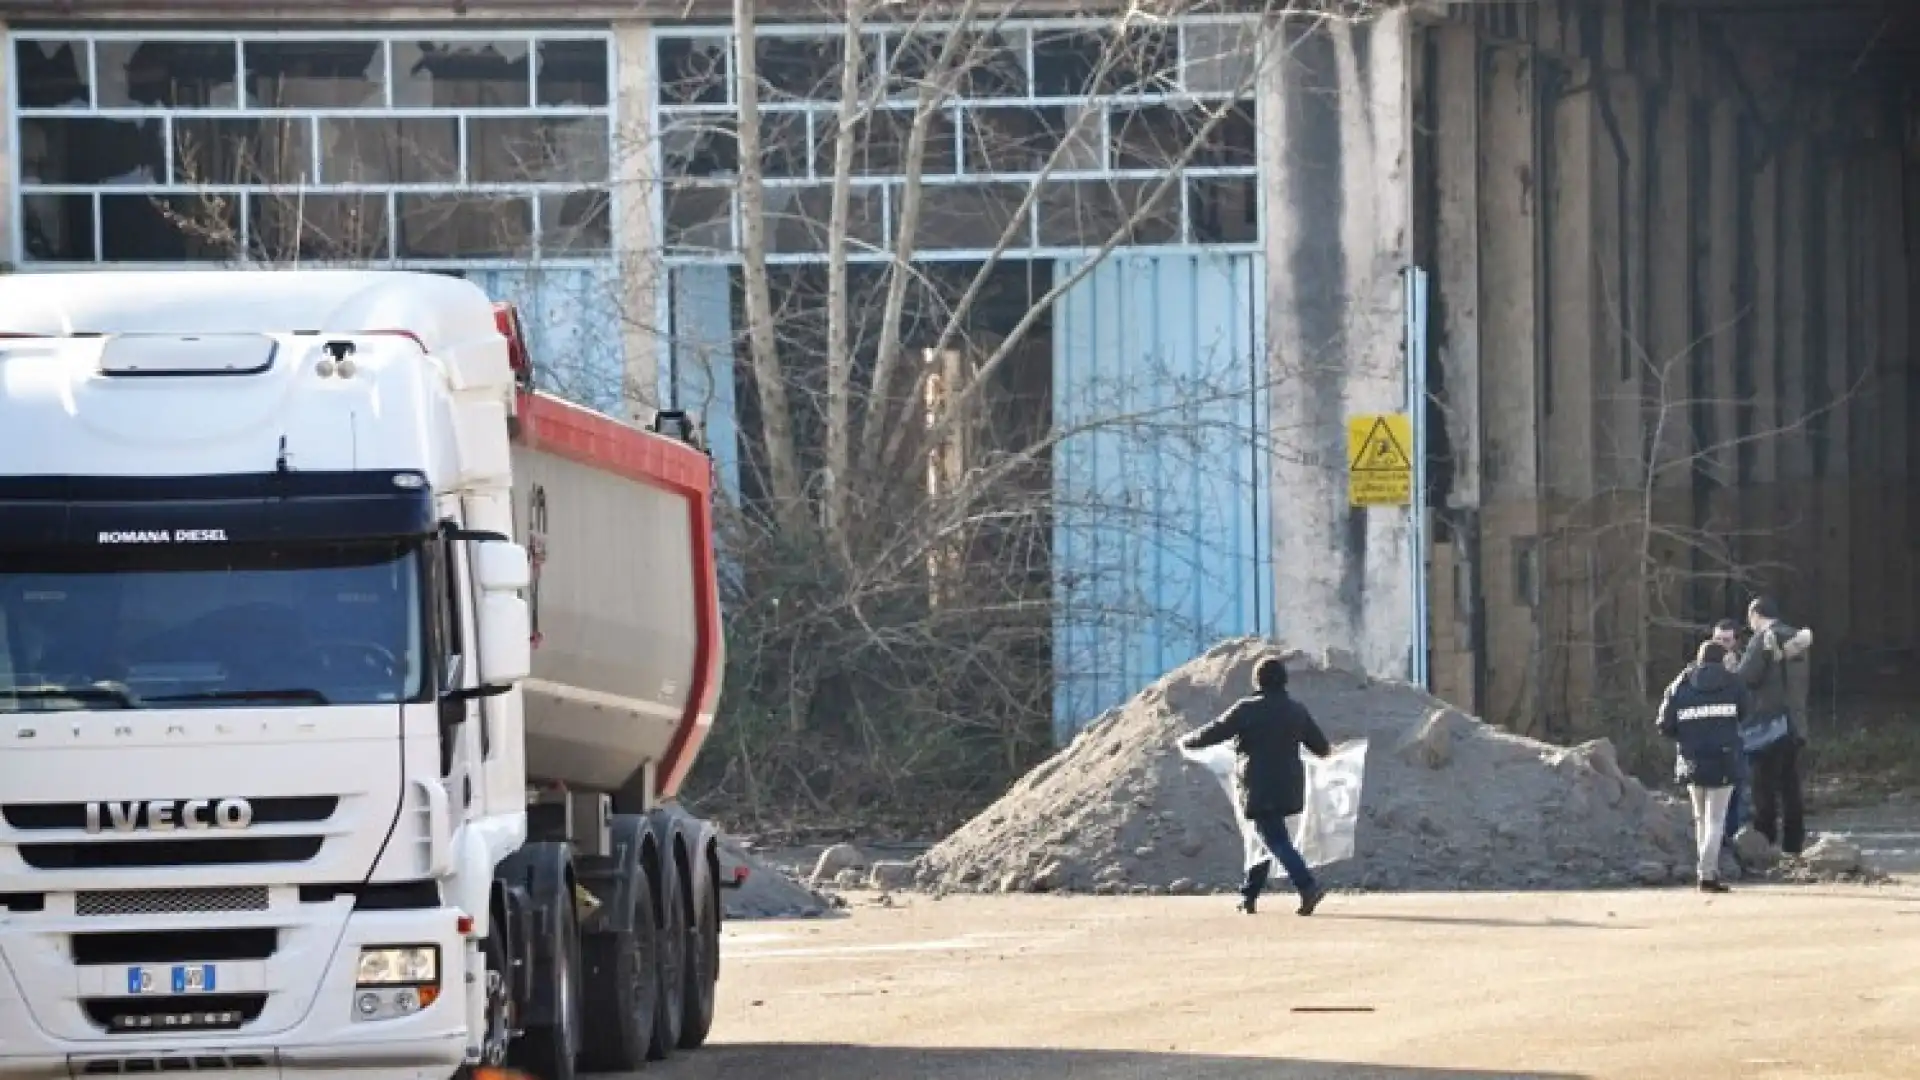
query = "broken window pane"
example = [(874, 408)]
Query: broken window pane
[(804, 68), (1072, 63), (798, 219), (464, 226), (415, 150), (58, 150), (461, 74), (1087, 213), (1016, 139), (1222, 58), (335, 228), (1154, 136), (203, 227), (277, 150), (572, 74), (880, 143), (577, 223), (694, 71), (528, 149), (698, 217), (174, 74), (316, 74), (783, 143), (57, 228), (699, 145), (965, 216), (985, 64), (1224, 209), (51, 74)]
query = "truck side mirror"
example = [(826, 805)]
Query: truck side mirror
[(501, 570), (501, 567), (506, 639)]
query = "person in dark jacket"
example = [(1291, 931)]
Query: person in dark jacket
[(1726, 633), (1268, 730), (1775, 669), (1702, 712)]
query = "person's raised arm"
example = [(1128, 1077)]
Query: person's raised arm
[(1667, 720), (1217, 731), (1753, 664), (1310, 734)]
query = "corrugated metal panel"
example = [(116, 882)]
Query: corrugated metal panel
[(699, 376), (574, 327), (1160, 540)]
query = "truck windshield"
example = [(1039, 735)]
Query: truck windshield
[(210, 626)]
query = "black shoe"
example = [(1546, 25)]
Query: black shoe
[(1711, 886), (1311, 899), (1246, 907)]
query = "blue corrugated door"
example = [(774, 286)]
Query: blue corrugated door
[(1161, 520)]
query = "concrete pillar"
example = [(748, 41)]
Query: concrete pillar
[(1793, 450), (1571, 355), (1508, 213), (1833, 386), (1720, 353), (1453, 80), (1867, 560), (1669, 349), (1337, 111), (11, 239), (1896, 374), (1760, 494), (1619, 338), (635, 194)]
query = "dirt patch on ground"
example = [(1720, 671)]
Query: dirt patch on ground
[(1449, 802)]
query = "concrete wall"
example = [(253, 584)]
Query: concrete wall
[(1675, 310), (1335, 106)]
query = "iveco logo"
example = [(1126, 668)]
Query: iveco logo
[(166, 815)]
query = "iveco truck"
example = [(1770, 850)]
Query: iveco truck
[(346, 685)]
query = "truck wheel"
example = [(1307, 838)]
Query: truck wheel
[(668, 1021), (623, 977), (703, 968), (548, 1052)]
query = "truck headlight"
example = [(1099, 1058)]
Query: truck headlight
[(399, 965)]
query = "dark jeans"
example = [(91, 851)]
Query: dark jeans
[(1778, 811), (1742, 785), (1273, 830)]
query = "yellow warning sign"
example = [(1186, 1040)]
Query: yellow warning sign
[(1379, 461)]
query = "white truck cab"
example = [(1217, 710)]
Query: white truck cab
[(285, 785)]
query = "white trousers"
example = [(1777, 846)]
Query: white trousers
[(1710, 825)]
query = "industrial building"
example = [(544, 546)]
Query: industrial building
[(1641, 266)]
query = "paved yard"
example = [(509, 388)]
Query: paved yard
[(1780, 982)]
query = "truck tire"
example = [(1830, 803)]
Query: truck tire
[(548, 1052), (623, 977), (669, 1019), (703, 968)]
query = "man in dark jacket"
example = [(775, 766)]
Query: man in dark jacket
[(1702, 712), (1775, 669), (1268, 731)]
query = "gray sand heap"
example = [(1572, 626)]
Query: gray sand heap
[(1449, 802)]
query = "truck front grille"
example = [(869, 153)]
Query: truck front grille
[(171, 901), (168, 1063), (126, 854), (173, 946), (267, 810)]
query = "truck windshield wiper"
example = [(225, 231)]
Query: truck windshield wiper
[(91, 695), (303, 695)]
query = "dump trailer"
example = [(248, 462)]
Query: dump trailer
[(346, 687)]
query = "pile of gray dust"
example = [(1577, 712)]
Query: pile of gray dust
[(1449, 802)]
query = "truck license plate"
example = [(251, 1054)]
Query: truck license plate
[(179, 979)]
